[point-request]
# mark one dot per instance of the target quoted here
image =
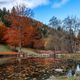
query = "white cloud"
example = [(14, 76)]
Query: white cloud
[(59, 4), (29, 3)]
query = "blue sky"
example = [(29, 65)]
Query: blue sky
[(45, 9), (71, 8)]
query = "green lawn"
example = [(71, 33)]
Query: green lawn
[(66, 78), (4, 48)]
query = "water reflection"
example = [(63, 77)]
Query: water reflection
[(69, 74), (78, 70), (78, 67), (38, 69), (72, 72)]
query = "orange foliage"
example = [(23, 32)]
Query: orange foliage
[(24, 29), (2, 31), (11, 37), (38, 43)]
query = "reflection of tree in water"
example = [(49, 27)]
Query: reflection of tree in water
[(29, 70), (39, 70)]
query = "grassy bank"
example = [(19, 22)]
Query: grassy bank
[(4, 48), (74, 56)]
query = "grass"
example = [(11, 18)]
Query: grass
[(62, 78), (28, 51), (31, 52), (74, 56), (66, 78), (4, 48)]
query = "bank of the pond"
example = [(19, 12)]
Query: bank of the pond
[(73, 56)]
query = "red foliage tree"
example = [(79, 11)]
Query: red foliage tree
[(24, 29), (11, 37), (2, 32)]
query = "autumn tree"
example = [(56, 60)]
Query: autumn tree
[(30, 35), (2, 32), (12, 37), (19, 18)]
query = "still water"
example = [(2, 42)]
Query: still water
[(72, 72)]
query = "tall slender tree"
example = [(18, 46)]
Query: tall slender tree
[(54, 22), (22, 10)]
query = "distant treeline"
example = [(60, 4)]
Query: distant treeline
[(17, 28)]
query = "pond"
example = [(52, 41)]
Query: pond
[(27, 69), (75, 71), (38, 69)]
